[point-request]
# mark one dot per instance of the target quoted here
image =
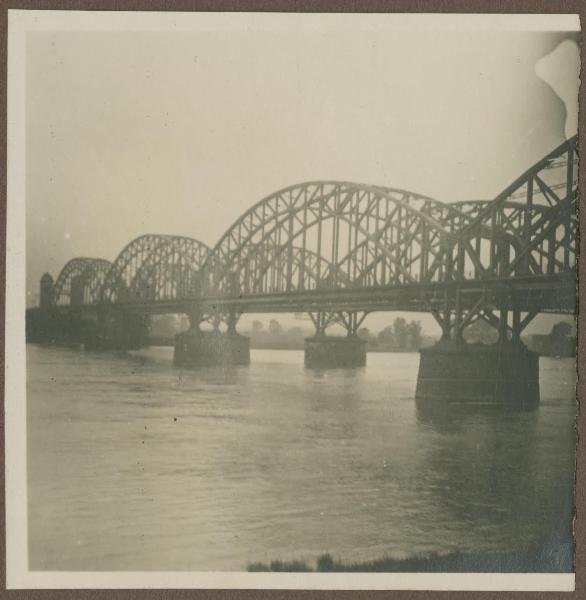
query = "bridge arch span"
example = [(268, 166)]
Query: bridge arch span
[(154, 268), (267, 271), (89, 272), (538, 211), (391, 234)]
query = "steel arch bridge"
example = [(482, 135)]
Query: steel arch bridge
[(335, 248), (87, 274), (153, 269)]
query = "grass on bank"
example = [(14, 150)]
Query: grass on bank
[(558, 560)]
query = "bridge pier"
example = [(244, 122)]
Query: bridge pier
[(49, 326), (45, 326), (196, 348), (326, 352), (505, 374)]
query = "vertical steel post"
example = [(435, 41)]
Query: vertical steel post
[(288, 283), (232, 320), (458, 315), (516, 337), (194, 316), (503, 321), (319, 228)]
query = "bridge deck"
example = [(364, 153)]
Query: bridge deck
[(548, 293)]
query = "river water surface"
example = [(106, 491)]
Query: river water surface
[(134, 464)]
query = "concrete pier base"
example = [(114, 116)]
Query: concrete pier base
[(323, 352), (208, 348), (503, 374)]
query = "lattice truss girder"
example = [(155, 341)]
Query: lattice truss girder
[(531, 228), (339, 234), (324, 235), (155, 268), (88, 274), (350, 321), (499, 310), (330, 234)]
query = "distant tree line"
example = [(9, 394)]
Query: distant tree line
[(398, 336), (559, 342), (275, 328), (401, 335)]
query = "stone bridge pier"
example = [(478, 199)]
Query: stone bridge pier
[(504, 374), (199, 348), (323, 351)]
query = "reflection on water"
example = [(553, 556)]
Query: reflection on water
[(134, 464)]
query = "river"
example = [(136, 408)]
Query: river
[(136, 465)]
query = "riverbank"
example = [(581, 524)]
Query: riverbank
[(546, 559)]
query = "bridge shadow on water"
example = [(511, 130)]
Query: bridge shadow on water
[(451, 417)]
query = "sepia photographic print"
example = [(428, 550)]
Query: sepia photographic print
[(291, 300)]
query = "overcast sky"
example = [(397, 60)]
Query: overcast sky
[(132, 133)]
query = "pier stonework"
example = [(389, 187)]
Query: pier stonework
[(504, 374), (323, 351), (46, 292), (196, 348)]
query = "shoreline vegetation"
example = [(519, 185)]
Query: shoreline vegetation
[(546, 559)]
